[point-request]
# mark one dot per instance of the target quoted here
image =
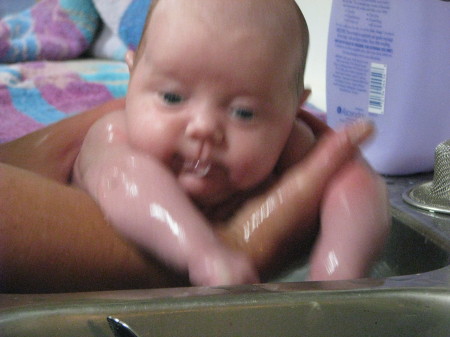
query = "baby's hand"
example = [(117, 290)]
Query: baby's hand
[(222, 267)]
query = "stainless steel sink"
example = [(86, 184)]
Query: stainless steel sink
[(408, 295)]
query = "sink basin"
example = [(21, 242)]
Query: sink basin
[(408, 295)]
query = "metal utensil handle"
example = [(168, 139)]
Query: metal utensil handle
[(119, 328)]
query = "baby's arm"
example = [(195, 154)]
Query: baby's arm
[(355, 223), (354, 219), (144, 202)]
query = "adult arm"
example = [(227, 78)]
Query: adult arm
[(288, 212), (342, 193), (54, 238)]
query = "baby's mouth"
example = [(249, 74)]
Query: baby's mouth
[(196, 167)]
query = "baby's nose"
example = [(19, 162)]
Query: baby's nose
[(205, 127)]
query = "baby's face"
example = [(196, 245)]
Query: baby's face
[(213, 101)]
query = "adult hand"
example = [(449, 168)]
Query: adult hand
[(287, 214)]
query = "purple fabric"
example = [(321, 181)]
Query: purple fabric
[(49, 30), (35, 94), (12, 121)]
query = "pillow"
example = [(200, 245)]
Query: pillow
[(49, 30), (9, 7), (123, 24)]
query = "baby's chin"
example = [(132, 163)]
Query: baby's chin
[(206, 182), (208, 190)]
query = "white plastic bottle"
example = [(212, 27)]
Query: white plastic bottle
[(389, 61)]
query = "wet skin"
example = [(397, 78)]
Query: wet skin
[(35, 170), (200, 130), (199, 124), (176, 184)]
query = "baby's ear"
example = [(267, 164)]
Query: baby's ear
[(306, 94), (302, 99), (129, 59)]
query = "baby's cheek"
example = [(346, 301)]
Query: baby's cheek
[(152, 140)]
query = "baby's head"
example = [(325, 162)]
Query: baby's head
[(215, 87), (295, 28)]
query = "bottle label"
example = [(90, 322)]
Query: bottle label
[(362, 44), (387, 62)]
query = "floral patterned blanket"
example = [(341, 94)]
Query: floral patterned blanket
[(35, 94), (61, 57)]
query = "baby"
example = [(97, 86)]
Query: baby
[(211, 113)]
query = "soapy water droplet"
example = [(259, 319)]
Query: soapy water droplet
[(196, 167)]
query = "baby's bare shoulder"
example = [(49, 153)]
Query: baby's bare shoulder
[(109, 129), (104, 135)]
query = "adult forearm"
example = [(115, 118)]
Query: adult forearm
[(54, 238), (287, 213)]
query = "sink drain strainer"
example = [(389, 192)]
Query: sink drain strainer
[(434, 196)]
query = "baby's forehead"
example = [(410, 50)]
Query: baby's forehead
[(279, 23), (280, 17)]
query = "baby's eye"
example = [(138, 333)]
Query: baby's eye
[(171, 98), (243, 114)]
